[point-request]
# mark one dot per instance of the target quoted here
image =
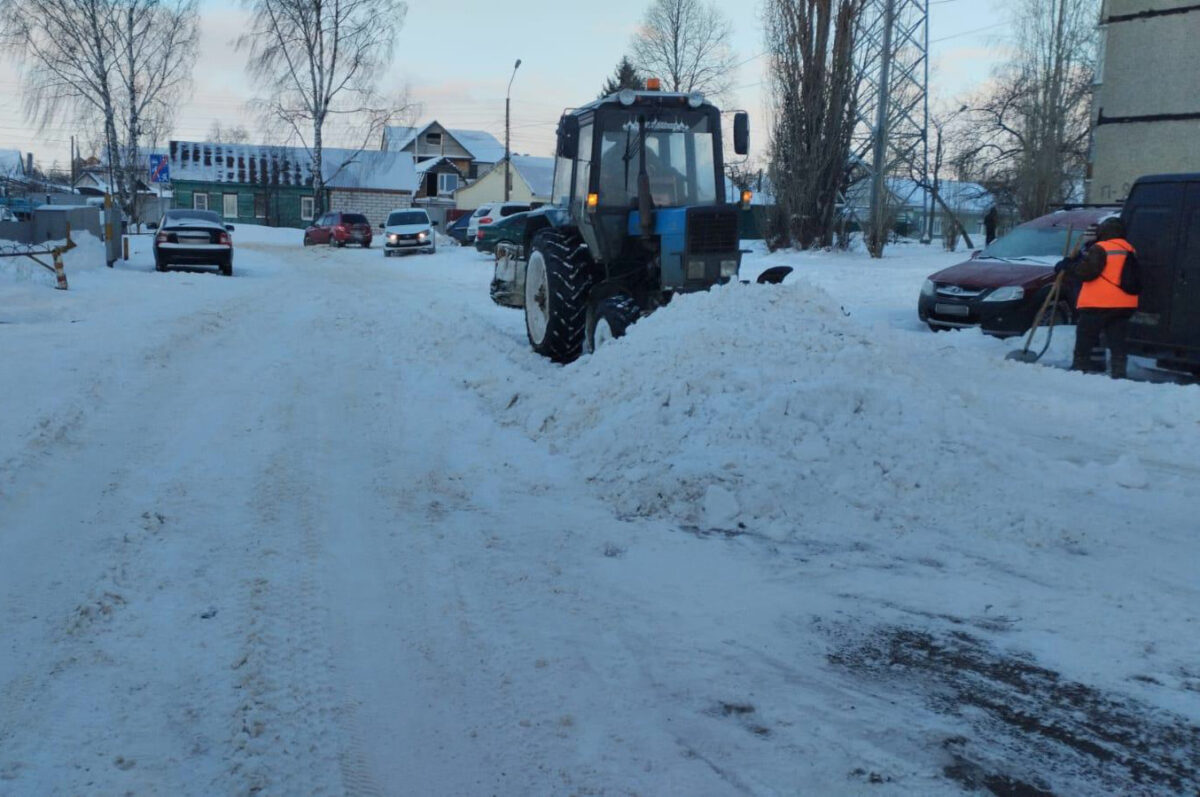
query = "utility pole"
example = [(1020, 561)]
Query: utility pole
[(880, 164), (507, 117)]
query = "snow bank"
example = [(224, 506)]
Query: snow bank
[(768, 409)]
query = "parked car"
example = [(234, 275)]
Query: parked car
[(1002, 286), (1162, 221), (193, 238), (458, 229), (409, 230), (338, 229), (486, 214), (507, 230)]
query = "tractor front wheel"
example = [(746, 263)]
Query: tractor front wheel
[(609, 320), (556, 293)]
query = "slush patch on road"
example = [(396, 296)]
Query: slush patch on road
[(1033, 731)]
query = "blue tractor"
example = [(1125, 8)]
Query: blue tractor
[(638, 214)]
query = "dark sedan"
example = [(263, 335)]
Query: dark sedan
[(458, 229), (1001, 287), (193, 238), (510, 229)]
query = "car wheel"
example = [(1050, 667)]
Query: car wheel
[(227, 268), (366, 245), (308, 241)]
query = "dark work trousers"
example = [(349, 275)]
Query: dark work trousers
[(1114, 323)]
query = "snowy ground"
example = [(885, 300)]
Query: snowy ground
[(329, 527)]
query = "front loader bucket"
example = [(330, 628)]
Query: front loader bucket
[(774, 275)]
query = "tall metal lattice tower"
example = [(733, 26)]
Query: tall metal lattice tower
[(891, 58)]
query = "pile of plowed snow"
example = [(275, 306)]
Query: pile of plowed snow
[(767, 409)]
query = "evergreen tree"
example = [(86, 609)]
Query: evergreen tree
[(625, 77)]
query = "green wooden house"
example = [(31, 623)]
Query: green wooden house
[(251, 184)]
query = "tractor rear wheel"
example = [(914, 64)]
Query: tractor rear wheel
[(556, 292), (609, 320)]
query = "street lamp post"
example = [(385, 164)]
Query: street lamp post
[(507, 117)]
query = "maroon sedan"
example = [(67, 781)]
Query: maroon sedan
[(1001, 287), (338, 229)]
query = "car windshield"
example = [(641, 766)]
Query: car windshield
[(679, 161), (191, 215), (1032, 242), (354, 218), (407, 217)]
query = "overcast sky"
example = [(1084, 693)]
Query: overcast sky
[(457, 56)]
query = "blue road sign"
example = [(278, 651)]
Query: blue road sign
[(160, 169)]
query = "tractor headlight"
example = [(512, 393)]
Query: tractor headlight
[(1009, 293), (626, 97), (695, 269), (695, 99), (927, 289), (729, 268)]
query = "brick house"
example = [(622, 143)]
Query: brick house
[(472, 152)]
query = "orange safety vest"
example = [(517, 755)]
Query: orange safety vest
[(1105, 291)]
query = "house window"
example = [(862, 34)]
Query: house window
[(433, 139), (447, 183), (306, 208), (229, 206), (260, 206), (199, 201)]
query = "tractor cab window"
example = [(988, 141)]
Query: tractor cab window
[(680, 161)]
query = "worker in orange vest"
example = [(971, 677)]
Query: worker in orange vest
[(1102, 305)]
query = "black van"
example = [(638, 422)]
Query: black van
[(1162, 221)]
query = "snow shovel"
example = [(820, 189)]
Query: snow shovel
[(1025, 355)]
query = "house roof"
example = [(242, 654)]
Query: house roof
[(482, 145), (538, 173), (968, 197), (429, 163), (12, 163), (291, 166)]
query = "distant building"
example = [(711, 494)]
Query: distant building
[(258, 184), (532, 181), (969, 202), (1147, 110), (472, 152)]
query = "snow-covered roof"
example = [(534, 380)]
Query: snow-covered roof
[(291, 166), (967, 197), (12, 163), (482, 145), (369, 170), (424, 166), (538, 173)]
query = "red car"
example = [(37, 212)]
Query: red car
[(1001, 287), (338, 229)]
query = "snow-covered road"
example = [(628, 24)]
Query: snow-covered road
[(330, 528)]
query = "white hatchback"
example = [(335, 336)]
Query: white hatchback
[(408, 230), (486, 214)]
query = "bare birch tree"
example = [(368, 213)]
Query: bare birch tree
[(155, 41), (67, 63), (121, 64), (319, 61), (686, 43), (1026, 136), (813, 92)]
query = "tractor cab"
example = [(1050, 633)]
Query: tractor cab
[(638, 213)]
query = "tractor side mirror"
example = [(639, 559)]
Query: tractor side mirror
[(741, 133), (568, 137)]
